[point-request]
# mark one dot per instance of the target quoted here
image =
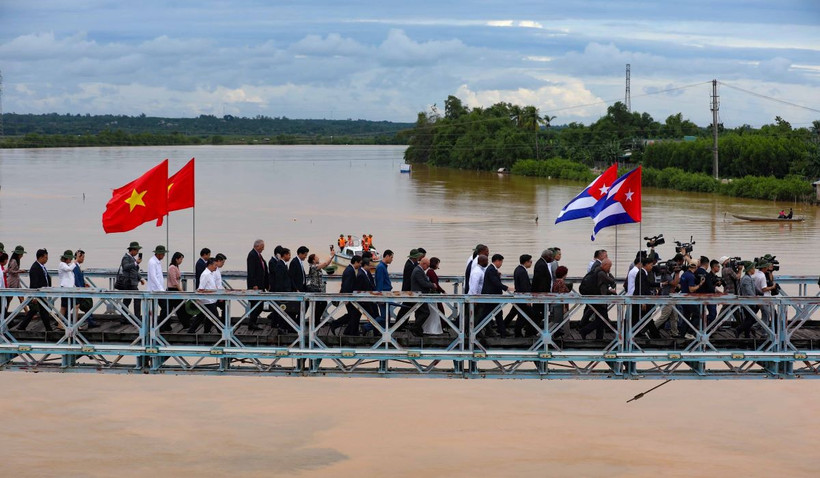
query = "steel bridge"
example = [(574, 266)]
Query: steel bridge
[(785, 345)]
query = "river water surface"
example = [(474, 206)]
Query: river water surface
[(307, 195)]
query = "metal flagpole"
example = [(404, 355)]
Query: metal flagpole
[(167, 239), (616, 250)]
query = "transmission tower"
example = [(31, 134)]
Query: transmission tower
[(715, 107), (627, 94)]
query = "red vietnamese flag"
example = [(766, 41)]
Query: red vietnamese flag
[(139, 201), (181, 188)]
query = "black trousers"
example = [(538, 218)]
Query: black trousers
[(520, 322), (597, 323), (637, 313), (253, 317), (201, 318), (499, 317), (33, 310), (747, 323)]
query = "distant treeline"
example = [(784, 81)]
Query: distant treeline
[(504, 135), (50, 130)]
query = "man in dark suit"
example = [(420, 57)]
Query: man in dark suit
[(278, 269), (280, 282), (257, 279), (38, 278), (204, 255), (542, 281), (365, 282), (420, 282), (296, 269), (521, 281), (493, 286), (644, 287), (479, 250), (541, 276), (352, 316), (412, 261)]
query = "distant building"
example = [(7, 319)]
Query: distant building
[(816, 185)]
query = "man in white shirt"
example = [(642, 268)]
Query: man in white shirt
[(207, 284), (477, 275), (632, 275), (156, 283), (65, 275), (762, 288), (220, 259)]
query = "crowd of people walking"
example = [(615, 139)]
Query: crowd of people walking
[(284, 272)]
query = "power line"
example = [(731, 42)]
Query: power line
[(770, 98)]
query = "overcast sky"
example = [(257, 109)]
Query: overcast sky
[(389, 60)]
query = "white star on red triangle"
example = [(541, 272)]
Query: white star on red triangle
[(604, 189), (629, 195)]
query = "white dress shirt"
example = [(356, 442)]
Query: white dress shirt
[(760, 282), (156, 283), (65, 274), (476, 279), (630, 280), (207, 282), (218, 279)]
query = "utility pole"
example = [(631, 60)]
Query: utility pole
[(715, 108), (627, 94)]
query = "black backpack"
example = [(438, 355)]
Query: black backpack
[(589, 284)]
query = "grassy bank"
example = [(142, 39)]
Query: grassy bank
[(752, 187)]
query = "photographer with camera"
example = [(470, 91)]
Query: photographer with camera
[(730, 276), (747, 288), (652, 243), (669, 273), (713, 281), (765, 284)]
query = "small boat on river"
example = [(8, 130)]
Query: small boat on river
[(769, 219), (342, 258)]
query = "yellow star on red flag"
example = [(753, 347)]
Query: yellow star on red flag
[(136, 199)]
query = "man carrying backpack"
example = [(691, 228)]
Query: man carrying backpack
[(598, 282)]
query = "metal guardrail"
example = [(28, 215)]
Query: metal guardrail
[(299, 341), (97, 277)]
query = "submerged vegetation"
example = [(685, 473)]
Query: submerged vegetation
[(775, 161)]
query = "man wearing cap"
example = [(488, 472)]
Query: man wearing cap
[(156, 283), (129, 276), (38, 278), (762, 287), (688, 286), (65, 275)]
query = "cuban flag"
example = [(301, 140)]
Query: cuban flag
[(622, 204), (584, 204)]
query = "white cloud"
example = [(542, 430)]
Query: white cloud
[(546, 98)]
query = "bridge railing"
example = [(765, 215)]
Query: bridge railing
[(300, 336), (799, 285)]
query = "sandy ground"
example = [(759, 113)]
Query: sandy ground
[(136, 426)]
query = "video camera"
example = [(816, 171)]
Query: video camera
[(686, 246), (735, 263), (667, 267), (771, 260), (654, 241)]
